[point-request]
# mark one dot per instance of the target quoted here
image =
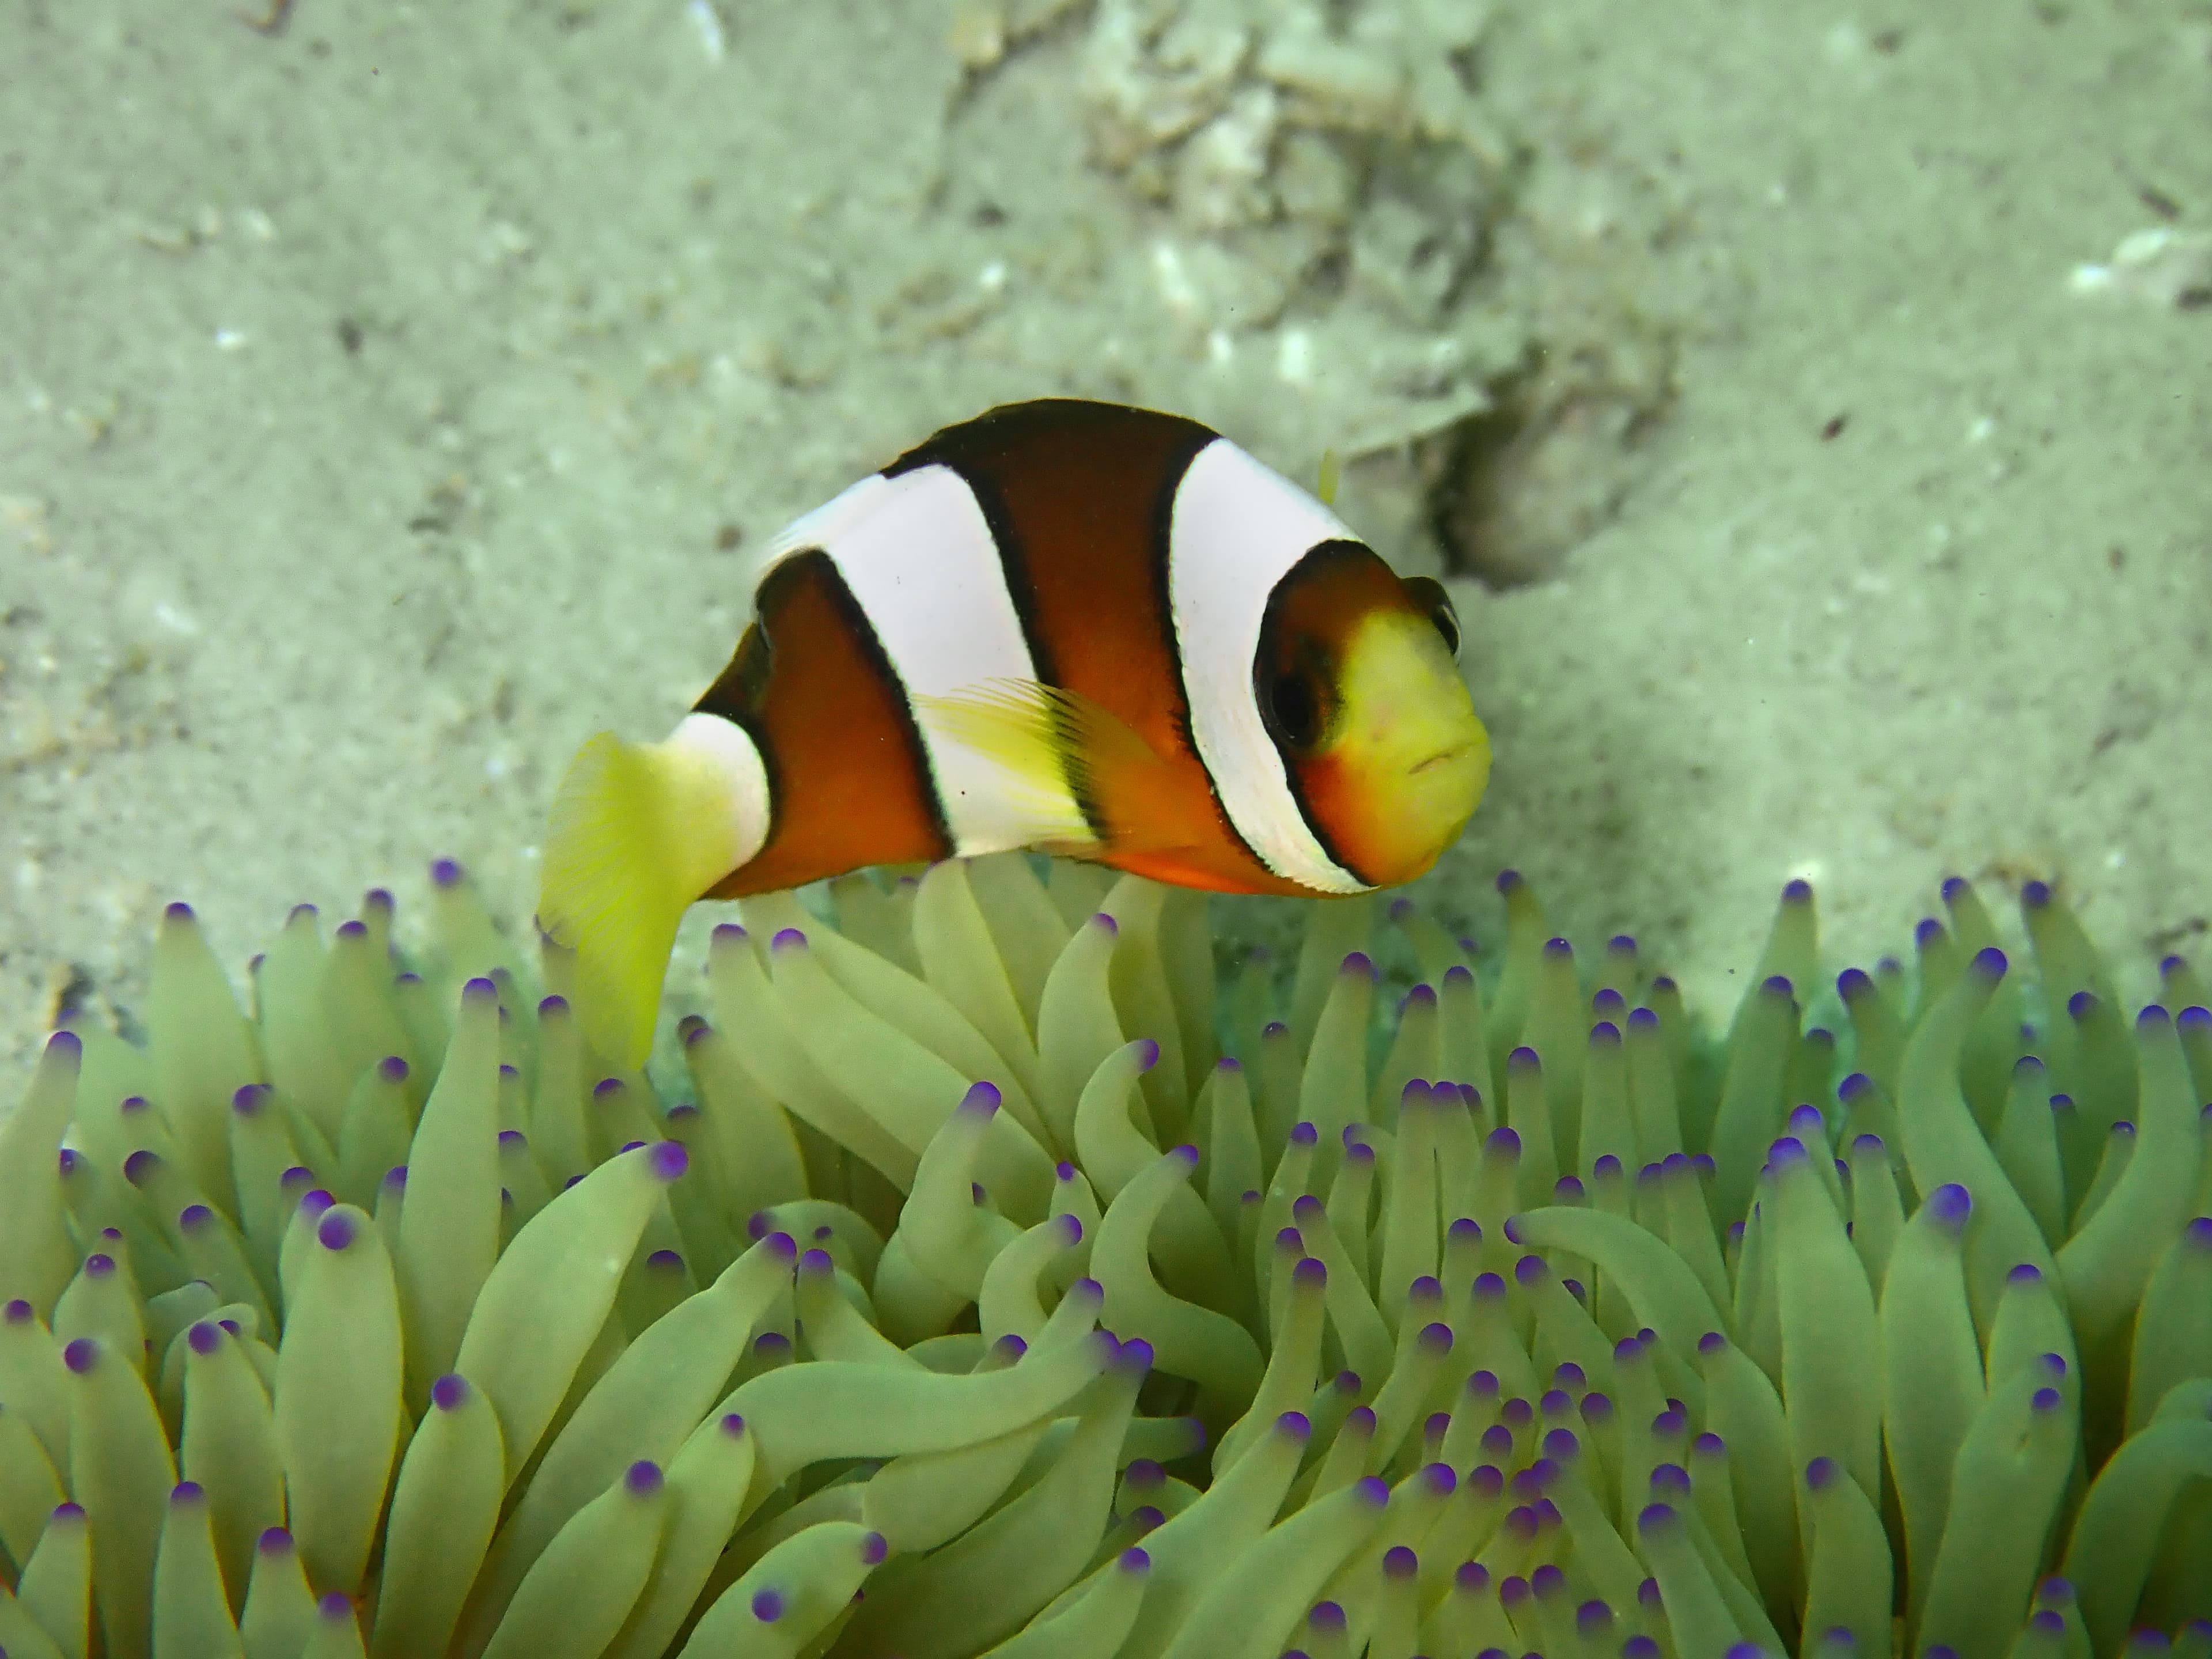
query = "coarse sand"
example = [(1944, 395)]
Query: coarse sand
[(388, 398)]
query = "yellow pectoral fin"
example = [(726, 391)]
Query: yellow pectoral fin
[(626, 851), (1055, 742)]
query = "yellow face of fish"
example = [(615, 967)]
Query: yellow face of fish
[(1360, 686)]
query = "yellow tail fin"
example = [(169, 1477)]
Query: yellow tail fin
[(638, 832)]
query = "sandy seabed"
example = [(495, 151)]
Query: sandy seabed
[(388, 399)]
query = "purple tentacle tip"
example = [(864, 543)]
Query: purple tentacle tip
[(192, 1217), (187, 1491), (2199, 1233), (1399, 1562), (273, 1540), (335, 1230), (1819, 1472), (1358, 962), (1105, 924), (1796, 891), (767, 1606), (1071, 1227), (478, 990), (1653, 1517), (788, 938), (81, 1355), (444, 872), (1777, 985), (1524, 1058), (449, 1392), (337, 1606), (873, 1548), (642, 1479), (1373, 1488), (206, 1337), (1950, 1205), (1989, 962), (1133, 1559), (816, 1262), (667, 1159), (981, 1098)]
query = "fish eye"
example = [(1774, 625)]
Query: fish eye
[(1294, 709), (1429, 594)]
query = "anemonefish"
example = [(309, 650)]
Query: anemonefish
[(1092, 630)]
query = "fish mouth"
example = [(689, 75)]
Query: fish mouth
[(1442, 757)]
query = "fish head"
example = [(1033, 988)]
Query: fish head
[(1359, 684)]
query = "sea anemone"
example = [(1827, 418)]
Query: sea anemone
[(1000, 1284)]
